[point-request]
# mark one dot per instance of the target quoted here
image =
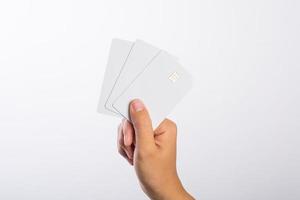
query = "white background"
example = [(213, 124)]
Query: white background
[(238, 128)]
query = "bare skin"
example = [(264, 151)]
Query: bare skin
[(152, 153)]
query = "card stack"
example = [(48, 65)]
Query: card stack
[(138, 70)]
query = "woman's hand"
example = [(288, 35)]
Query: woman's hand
[(152, 153)]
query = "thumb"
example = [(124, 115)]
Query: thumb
[(142, 124)]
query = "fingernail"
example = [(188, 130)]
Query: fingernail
[(137, 105)]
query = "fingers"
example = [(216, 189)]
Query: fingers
[(142, 124), (125, 151), (128, 132)]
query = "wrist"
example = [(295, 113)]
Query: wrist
[(176, 191)]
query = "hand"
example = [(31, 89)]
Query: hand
[(152, 153)]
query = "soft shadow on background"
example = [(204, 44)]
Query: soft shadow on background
[(238, 128)]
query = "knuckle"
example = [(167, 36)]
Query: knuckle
[(171, 125)]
